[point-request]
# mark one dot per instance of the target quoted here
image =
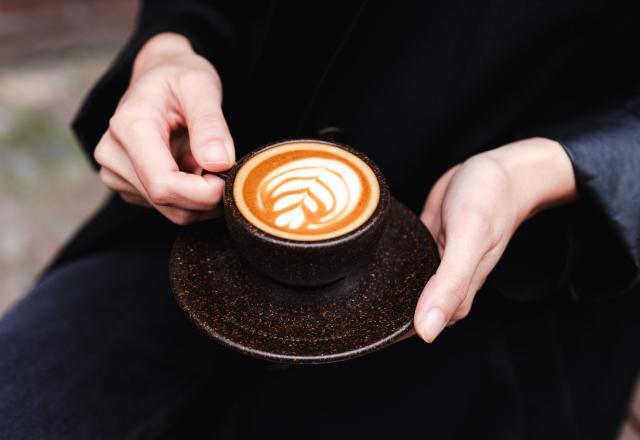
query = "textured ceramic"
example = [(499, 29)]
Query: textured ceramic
[(305, 263), (239, 307)]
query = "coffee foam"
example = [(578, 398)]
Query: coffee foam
[(306, 191)]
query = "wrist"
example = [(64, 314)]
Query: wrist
[(541, 172), (159, 49)]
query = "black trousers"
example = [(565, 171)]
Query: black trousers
[(99, 349)]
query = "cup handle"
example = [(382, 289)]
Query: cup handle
[(221, 174)]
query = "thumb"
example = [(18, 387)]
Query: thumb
[(200, 97), (447, 290)]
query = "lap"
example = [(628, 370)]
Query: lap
[(99, 349)]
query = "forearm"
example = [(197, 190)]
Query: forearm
[(541, 172)]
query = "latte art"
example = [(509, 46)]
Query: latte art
[(309, 193), (306, 191)]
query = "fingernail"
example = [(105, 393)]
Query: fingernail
[(215, 154), (432, 324)]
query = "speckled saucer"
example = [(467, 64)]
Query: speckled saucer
[(244, 310)]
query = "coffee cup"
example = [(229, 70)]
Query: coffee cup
[(305, 212)]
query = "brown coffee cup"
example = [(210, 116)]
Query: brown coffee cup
[(304, 262)]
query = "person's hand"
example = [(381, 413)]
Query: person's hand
[(167, 128), (472, 212)]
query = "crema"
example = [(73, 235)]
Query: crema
[(306, 191)]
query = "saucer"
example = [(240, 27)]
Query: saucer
[(248, 312)]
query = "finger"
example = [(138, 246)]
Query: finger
[(146, 141), (200, 98), (116, 166), (478, 279), (127, 191), (135, 200), (464, 308), (185, 217), (432, 207), (447, 289), (112, 156), (188, 163), (407, 335), (116, 182), (181, 150)]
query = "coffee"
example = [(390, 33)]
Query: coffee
[(306, 191)]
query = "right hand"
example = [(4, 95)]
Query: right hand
[(167, 129)]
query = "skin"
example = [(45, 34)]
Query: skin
[(473, 211), (169, 127)]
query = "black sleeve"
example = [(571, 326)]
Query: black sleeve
[(591, 246), (604, 148), (216, 30)]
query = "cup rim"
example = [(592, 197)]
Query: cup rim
[(378, 215)]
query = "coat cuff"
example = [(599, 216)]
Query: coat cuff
[(604, 148), (590, 247)]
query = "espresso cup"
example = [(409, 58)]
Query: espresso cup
[(305, 212)]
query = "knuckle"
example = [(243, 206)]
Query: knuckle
[(159, 191), (136, 126), (100, 153), (191, 79), (116, 123), (474, 217), (454, 286), (128, 122), (151, 78), (481, 220), (473, 212), (462, 312)]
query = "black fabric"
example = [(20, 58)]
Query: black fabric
[(212, 31), (604, 147), (418, 87), (99, 349), (422, 86)]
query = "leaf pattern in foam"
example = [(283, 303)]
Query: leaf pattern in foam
[(309, 193)]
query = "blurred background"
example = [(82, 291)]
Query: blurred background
[(51, 51)]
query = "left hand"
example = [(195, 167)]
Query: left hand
[(472, 212)]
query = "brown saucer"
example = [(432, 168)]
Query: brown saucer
[(238, 307)]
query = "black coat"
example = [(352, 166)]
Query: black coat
[(419, 87)]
